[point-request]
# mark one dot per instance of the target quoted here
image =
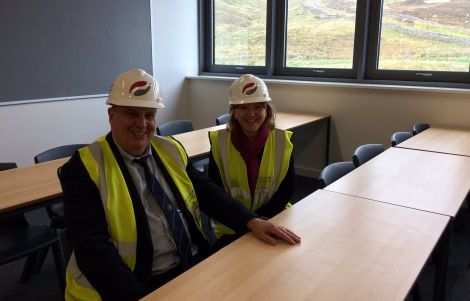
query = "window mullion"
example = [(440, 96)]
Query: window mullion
[(373, 43), (361, 38), (281, 31), (271, 37)]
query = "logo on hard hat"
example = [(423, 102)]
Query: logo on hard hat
[(139, 88), (249, 89)]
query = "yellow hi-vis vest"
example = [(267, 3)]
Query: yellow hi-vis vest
[(104, 170), (233, 170)]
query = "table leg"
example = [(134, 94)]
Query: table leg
[(442, 263), (327, 155)]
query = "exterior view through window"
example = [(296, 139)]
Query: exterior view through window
[(320, 34), (240, 32), (431, 35), (424, 42)]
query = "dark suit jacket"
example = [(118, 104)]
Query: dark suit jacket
[(97, 257)]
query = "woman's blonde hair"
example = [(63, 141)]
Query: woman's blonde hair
[(270, 117)]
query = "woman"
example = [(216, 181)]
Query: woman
[(250, 158)]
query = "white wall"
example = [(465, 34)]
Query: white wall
[(28, 129), (359, 114), (175, 53)]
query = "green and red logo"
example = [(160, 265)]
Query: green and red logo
[(249, 89), (139, 88)]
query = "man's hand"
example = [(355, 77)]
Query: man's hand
[(266, 230)]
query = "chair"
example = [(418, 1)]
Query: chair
[(175, 127), (419, 127), (399, 137), (19, 239), (223, 119), (56, 211), (365, 152), (334, 171)]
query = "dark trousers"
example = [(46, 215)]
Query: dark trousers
[(225, 240), (159, 280)]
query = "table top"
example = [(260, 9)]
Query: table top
[(29, 185), (197, 142), (440, 139), (427, 181), (352, 249)]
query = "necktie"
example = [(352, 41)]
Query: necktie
[(171, 213)]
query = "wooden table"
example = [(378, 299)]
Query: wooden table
[(426, 181), (197, 142), (351, 249), (454, 141), (29, 186)]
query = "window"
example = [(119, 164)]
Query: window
[(426, 40), (435, 39), (421, 41), (236, 35), (320, 38), (240, 32), (320, 35)]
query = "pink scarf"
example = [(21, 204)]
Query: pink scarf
[(250, 151)]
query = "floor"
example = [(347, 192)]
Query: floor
[(44, 286)]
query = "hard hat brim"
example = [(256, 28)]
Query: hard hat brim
[(250, 100), (135, 103)]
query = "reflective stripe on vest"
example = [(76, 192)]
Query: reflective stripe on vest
[(175, 159), (232, 168), (105, 173)]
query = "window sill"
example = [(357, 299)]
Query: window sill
[(358, 85)]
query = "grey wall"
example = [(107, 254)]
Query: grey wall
[(58, 49)]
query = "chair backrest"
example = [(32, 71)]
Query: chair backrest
[(365, 152), (56, 211), (419, 127), (174, 127), (334, 171), (399, 137), (58, 152), (7, 165), (222, 119)]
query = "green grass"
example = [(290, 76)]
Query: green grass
[(240, 31), (403, 52)]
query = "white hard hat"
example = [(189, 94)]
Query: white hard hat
[(135, 88), (248, 89)]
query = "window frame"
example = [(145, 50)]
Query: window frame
[(373, 72), (208, 31), (366, 45), (358, 51)]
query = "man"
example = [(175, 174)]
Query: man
[(132, 203)]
